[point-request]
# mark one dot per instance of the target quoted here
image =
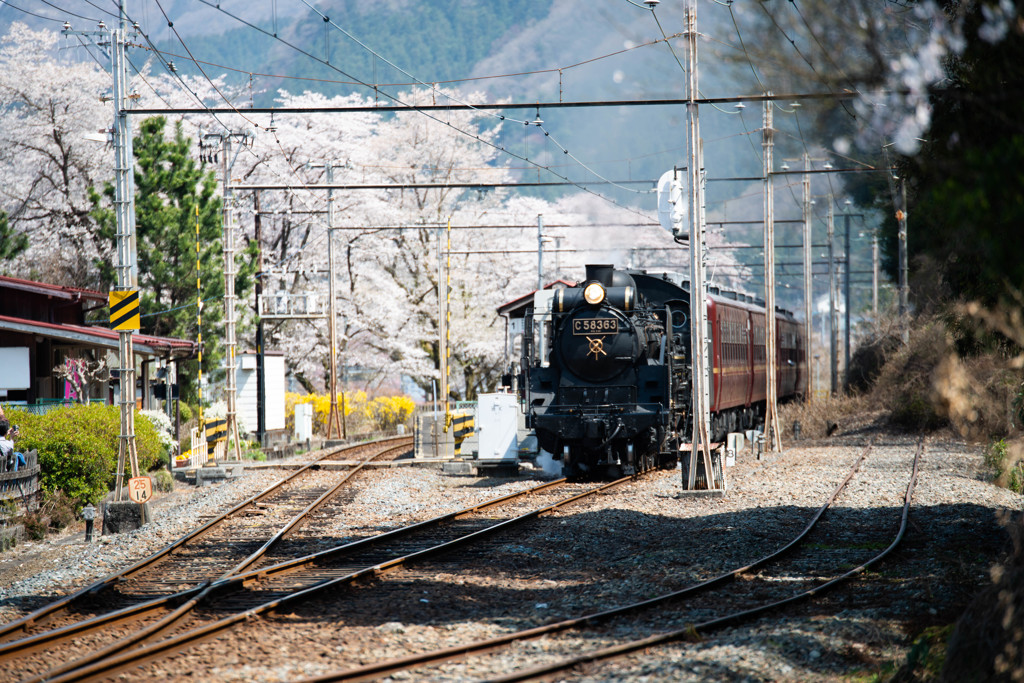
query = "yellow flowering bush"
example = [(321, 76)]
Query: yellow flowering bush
[(362, 413)]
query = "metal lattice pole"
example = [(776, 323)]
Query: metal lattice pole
[(230, 321), (127, 271)]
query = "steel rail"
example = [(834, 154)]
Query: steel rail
[(181, 602), (378, 669), (40, 615), (105, 668), (728, 620)]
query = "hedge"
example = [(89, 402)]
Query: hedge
[(77, 447)]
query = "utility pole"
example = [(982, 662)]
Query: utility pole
[(771, 413), (444, 322), (230, 385), (701, 442), (901, 217), (261, 369), (846, 299), (126, 266), (874, 274), (333, 420), (808, 279), (540, 252), (833, 319)]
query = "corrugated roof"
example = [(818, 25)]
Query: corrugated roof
[(516, 303), (143, 344), (59, 291)]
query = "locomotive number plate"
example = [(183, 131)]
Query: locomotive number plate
[(584, 326)]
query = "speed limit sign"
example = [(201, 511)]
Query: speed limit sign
[(140, 489)]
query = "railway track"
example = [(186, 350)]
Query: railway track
[(279, 587), (817, 568), (226, 545)]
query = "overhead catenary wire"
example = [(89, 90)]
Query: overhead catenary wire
[(31, 14), (802, 56), (234, 109), (467, 79), (570, 183), (422, 110)]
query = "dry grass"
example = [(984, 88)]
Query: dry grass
[(988, 641), (821, 418)]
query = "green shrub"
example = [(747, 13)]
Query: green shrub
[(162, 480), (1006, 459), (78, 445)]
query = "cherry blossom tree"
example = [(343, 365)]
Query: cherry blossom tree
[(47, 105)]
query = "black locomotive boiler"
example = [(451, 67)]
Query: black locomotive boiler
[(606, 369)]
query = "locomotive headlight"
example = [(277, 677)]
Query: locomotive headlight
[(593, 293)]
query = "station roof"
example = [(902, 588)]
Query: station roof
[(515, 308), (143, 344), (56, 291)]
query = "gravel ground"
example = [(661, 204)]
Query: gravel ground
[(643, 539)]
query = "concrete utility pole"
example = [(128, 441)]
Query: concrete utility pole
[(808, 279), (833, 316), (333, 420), (701, 442), (846, 299), (771, 416), (261, 369), (874, 274), (540, 252), (444, 317)]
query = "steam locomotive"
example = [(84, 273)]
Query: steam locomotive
[(606, 369)]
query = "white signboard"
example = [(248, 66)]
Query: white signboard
[(14, 371)]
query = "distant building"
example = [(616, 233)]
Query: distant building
[(44, 325), (514, 313)]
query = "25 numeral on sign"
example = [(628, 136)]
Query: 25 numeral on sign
[(140, 489)]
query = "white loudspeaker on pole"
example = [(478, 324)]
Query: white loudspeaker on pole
[(672, 204)]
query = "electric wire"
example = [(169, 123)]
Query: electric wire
[(413, 108), (101, 9), (66, 11), (31, 14), (198, 99), (743, 46), (828, 55), (806, 60), (467, 79), (501, 117)]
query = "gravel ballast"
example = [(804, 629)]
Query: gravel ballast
[(640, 540)]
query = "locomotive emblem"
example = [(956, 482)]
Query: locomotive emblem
[(596, 347)]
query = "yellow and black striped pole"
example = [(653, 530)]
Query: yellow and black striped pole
[(199, 320), (448, 332)]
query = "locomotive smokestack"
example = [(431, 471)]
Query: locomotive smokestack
[(601, 273)]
